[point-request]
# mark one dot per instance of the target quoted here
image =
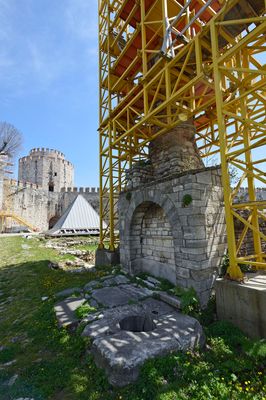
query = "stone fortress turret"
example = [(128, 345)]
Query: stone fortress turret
[(47, 168)]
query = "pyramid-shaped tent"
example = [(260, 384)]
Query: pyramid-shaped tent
[(78, 219)]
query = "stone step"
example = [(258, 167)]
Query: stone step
[(171, 300), (65, 311)]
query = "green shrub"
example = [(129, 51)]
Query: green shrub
[(84, 310), (225, 264), (128, 196), (208, 314), (189, 301), (187, 199)]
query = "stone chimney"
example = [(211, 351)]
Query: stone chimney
[(175, 151)]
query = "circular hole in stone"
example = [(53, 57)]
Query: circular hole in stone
[(137, 323)]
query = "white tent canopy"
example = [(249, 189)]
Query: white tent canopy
[(80, 218)]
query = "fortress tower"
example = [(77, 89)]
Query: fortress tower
[(47, 168)]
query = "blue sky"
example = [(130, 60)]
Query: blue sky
[(49, 78)]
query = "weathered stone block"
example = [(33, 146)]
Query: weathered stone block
[(197, 220), (249, 300), (121, 352), (204, 177), (107, 257), (182, 272)]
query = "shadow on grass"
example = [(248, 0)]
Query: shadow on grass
[(47, 360)]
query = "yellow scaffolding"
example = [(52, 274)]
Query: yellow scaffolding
[(7, 213), (162, 62), (4, 215)]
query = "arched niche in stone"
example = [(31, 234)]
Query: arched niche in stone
[(151, 242)]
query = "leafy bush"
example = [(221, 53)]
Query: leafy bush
[(189, 300), (225, 264), (84, 310), (187, 199)]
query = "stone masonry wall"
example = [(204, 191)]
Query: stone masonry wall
[(169, 154), (38, 206), (198, 230), (1, 186), (151, 235), (175, 151), (161, 233)]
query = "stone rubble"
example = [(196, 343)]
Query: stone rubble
[(84, 259), (68, 242), (74, 252), (72, 266)]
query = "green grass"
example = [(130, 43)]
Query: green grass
[(84, 310), (53, 364)]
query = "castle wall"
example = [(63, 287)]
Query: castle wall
[(1, 186), (3, 164), (47, 168), (30, 203), (38, 206), (68, 195)]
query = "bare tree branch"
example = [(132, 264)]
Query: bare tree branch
[(10, 139)]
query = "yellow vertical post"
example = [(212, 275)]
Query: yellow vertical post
[(242, 61), (100, 133), (144, 56), (233, 269), (120, 172), (111, 191), (110, 131), (166, 69), (101, 245), (198, 53)]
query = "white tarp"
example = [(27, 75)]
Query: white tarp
[(78, 219)]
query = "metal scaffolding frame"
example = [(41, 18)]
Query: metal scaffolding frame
[(162, 62)]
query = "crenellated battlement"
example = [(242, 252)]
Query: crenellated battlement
[(243, 195), (29, 185), (40, 155), (23, 184), (46, 151), (80, 190)]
